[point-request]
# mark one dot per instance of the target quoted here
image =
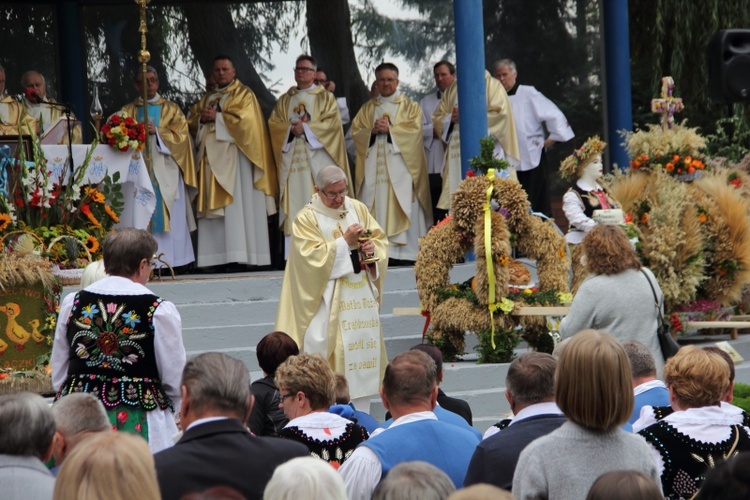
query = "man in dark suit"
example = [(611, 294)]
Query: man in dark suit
[(216, 448), (457, 406), (529, 388)]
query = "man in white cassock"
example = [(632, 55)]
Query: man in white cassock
[(306, 135), (173, 174), (533, 112), (330, 298), (391, 172), (500, 125), (237, 183), (444, 73)]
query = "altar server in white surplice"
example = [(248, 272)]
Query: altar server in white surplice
[(391, 172), (533, 113), (174, 177), (444, 73)]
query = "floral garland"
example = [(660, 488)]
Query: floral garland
[(572, 166)]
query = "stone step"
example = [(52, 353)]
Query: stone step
[(264, 310)]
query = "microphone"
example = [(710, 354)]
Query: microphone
[(33, 97)]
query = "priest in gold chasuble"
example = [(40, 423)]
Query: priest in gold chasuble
[(391, 171), (306, 135), (11, 113), (46, 116), (173, 177), (237, 183), (330, 301), (500, 125)]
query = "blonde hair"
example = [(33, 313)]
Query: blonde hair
[(92, 273), (593, 384), (310, 374), (697, 377), (113, 465)]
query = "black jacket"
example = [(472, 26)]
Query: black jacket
[(222, 453)]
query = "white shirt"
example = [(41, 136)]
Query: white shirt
[(545, 408), (362, 470), (531, 110), (647, 386)]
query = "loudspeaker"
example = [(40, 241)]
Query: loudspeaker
[(729, 66)]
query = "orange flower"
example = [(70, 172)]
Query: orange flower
[(644, 218), (5, 221), (111, 213), (669, 166), (92, 244), (702, 217), (688, 160), (676, 158), (691, 170), (502, 260)]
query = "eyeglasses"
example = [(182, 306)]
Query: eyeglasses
[(302, 69), (320, 82), (333, 196)]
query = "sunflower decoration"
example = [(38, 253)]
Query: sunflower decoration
[(5, 221), (36, 204), (92, 244)]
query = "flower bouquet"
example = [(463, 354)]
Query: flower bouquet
[(123, 133), (61, 219)]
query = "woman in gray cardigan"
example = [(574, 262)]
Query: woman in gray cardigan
[(616, 297), (593, 388)]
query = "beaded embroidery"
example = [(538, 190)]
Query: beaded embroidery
[(686, 460), (334, 451)]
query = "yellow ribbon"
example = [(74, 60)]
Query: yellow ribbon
[(488, 252)]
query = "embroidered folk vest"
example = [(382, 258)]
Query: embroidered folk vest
[(111, 342)]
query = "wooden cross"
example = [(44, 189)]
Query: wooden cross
[(667, 105)]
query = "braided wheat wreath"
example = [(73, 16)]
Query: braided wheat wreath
[(448, 242)]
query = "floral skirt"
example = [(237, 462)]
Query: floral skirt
[(129, 419)]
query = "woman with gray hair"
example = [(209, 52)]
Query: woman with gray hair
[(119, 341)]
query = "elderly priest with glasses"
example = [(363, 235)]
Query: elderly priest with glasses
[(331, 294)]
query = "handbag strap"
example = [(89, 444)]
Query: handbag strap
[(656, 300)]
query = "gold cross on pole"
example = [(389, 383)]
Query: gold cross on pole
[(144, 57), (667, 105)]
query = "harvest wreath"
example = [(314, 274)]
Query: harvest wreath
[(474, 224)]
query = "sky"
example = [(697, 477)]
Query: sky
[(285, 60)]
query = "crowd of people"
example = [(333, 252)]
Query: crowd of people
[(568, 435), (606, 416), (224, 170)]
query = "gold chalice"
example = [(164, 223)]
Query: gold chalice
[(370, 257)]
